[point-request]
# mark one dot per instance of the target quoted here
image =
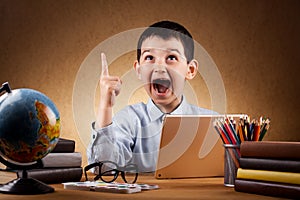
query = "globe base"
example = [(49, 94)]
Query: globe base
[(25, 186)]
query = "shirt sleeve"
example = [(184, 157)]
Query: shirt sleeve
[(114, 143)]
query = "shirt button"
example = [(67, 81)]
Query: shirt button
[(94, 136)]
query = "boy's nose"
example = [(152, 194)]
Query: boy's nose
[(160, 69)]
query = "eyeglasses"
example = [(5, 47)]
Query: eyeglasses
[(109, 172)]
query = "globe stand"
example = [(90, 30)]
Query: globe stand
[(24, 184)]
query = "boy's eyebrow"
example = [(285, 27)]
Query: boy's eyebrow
[(148, 50), (145, 51)]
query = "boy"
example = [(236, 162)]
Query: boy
[(165, 60)]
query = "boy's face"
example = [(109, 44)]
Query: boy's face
[(163, 69)]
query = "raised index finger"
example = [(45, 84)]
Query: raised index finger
[(104, 65)]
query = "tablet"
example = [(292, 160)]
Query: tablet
[(191, 147)]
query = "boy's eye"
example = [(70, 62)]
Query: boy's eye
[(149, 57), (172, 57)]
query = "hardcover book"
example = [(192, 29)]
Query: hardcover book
[(267, 188), (54, 175), (64, 146), (270, 164), (62, 160), (271, 149), (272, 176)]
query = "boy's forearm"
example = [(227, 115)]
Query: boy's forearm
[(104, 117)]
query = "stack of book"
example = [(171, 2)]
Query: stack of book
[(269, 168), (62, 164)]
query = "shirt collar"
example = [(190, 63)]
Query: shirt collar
[(155, 113), (181, 108)]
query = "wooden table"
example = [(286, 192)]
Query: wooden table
[(195, 188)]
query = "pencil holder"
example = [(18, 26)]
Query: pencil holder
[(231, 163)]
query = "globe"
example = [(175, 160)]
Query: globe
[(29, 125)]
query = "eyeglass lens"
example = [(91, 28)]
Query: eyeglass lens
[(109, 171)]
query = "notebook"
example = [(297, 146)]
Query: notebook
[(191, 147)]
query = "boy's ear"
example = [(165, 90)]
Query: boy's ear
[(137, 69), (192, 69)]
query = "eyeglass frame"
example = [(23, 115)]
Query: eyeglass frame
[(117, 171)]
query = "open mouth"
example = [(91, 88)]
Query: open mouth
[(161, 86)]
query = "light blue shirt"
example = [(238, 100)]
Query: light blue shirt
[(134, 135)]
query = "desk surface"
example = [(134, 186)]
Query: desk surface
[(196, 188)]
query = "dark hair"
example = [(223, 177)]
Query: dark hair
[(167, 30)]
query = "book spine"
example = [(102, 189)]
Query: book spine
[(267, 188), (64, 146), (268, 149), (270, 164), (272, 176), (58, 175), (62, 160)]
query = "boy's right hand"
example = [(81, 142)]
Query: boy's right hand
[(110, 86)]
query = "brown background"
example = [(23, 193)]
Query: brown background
[(255, 45)]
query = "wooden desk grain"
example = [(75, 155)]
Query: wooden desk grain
[(197, 188)]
